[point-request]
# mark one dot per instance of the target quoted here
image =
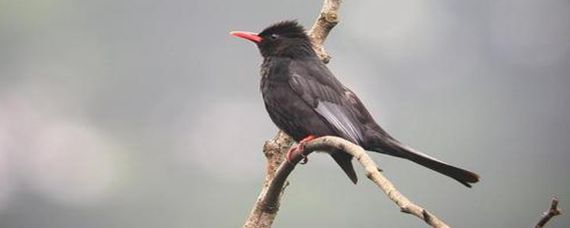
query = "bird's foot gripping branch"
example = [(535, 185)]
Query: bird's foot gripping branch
[(298, 150)]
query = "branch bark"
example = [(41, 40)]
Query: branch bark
[(262, 216), (270, 202), (328, 18), (547, 215), (331, 143)]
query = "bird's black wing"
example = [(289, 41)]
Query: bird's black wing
[(335, 104)]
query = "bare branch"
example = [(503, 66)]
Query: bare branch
[(326, 21), (270, 202), (262, 216), (547, 215), (331, 143)]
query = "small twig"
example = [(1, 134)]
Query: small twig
[(328, 18), (331, 143), (547, 215)]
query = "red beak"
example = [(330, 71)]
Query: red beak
[(247, 35)]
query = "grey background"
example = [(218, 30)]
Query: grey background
[(147, 113)]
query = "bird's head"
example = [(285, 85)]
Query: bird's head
[(283, 39)]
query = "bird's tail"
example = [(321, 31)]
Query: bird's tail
[(390, 146)]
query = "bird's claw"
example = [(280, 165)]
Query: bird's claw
[(299, 148), (305, 159), (293, 152), (289, 153)]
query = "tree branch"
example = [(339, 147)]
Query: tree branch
[(547, 215), (262, 216), (268, 203), (326, 21), (332, 143)]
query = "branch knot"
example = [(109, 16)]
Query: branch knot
[(331, 18)]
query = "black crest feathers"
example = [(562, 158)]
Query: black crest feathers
[(290, 29)]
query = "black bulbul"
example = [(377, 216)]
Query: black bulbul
[(304, 99)]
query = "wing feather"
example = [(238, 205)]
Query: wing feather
[(329, 99)]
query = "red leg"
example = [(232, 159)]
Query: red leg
[(299, 148), (307, 139)]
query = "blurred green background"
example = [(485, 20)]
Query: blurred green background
[(148, 114)]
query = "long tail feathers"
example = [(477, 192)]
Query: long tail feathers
[(395, 148)]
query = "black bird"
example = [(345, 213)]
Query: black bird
[(304, 99)]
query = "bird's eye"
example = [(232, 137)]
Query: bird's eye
[(274, 36)]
